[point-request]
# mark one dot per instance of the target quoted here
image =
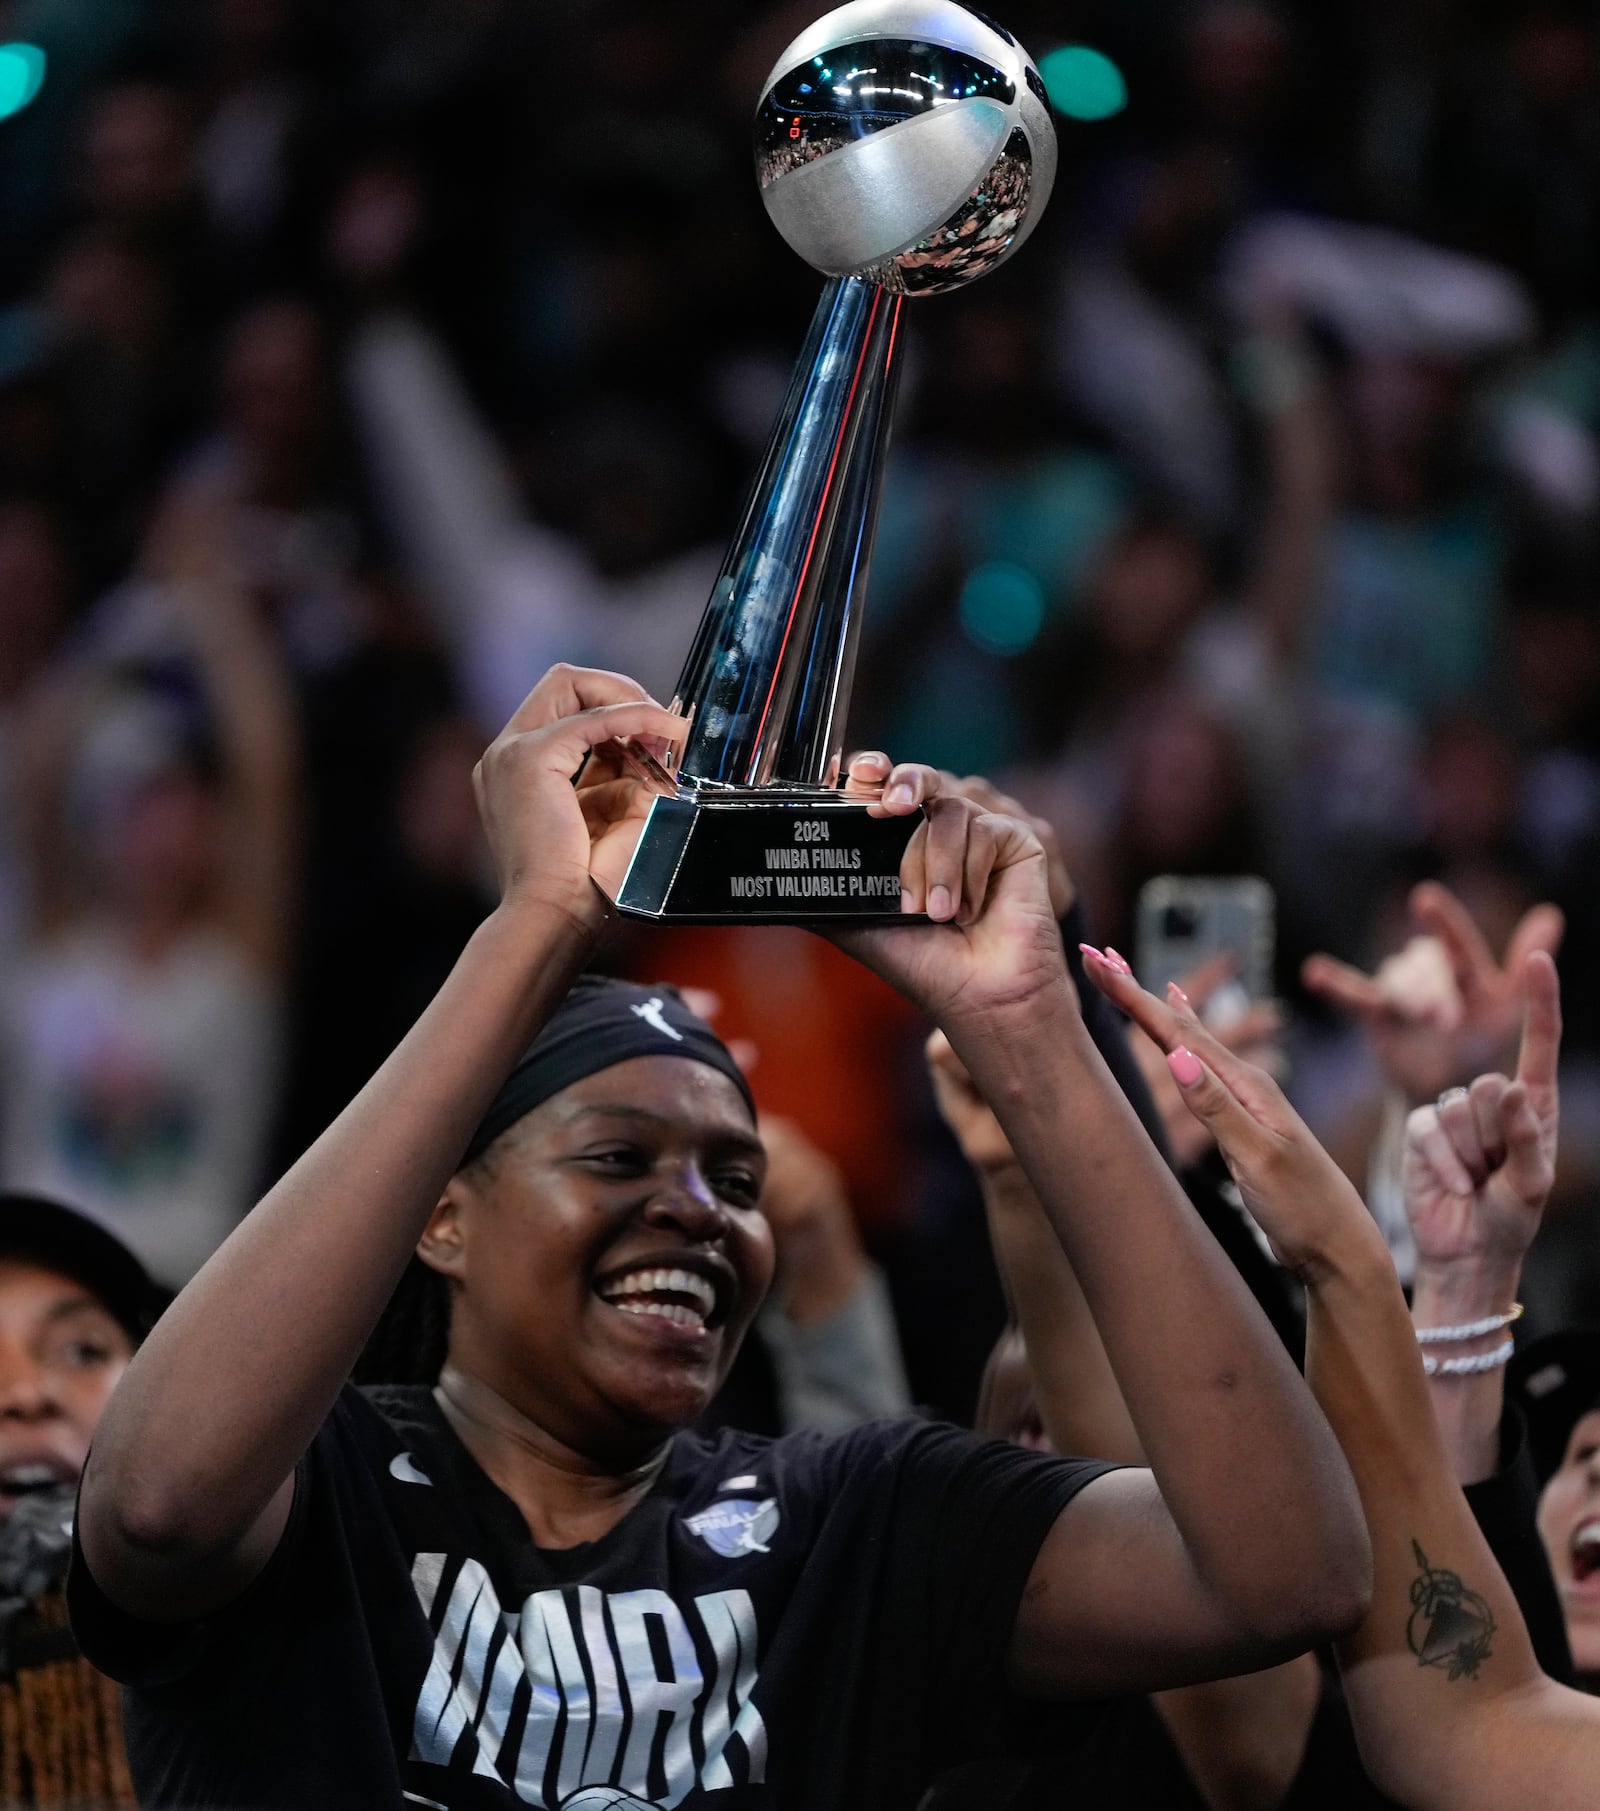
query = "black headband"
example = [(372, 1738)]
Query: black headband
[(600, 1023)]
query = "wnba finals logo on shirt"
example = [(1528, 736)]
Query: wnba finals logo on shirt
[(736, 1526)]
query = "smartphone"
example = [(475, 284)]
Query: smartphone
[(1184, 921)]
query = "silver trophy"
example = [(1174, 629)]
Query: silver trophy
[(903, 147)]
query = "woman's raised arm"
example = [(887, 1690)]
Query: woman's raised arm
[(1234, 1550), (188, 1486), (1450, 1707)]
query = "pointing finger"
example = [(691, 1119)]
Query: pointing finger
[(1541, 1025)]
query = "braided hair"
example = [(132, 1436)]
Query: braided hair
[(412, 1337), (409, 1343)]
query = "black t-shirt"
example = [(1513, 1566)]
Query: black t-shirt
[(804, 1622)]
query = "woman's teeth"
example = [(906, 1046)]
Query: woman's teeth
[(17, 1480), (653, 1292), (667, 1311)]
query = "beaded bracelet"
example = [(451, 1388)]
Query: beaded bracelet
[(1434, 1336), (1470, 1366)]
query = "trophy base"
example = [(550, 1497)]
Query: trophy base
[(767, 855)]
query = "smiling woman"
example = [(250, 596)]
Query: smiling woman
[(601, 1100), (511, 1573), (603, 1253)]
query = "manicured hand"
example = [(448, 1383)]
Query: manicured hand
[(1442, 1009), (1292, 1187), (553, 841), (1480, 1162), (1256, 1035)]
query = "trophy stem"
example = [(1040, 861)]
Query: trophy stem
[(769, 674)]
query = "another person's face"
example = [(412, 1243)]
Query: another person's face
[(611, 1256), (1569, 1524), (61, 1354)]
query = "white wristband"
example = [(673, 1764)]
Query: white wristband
[(1472, 1366), (1433, 1336)]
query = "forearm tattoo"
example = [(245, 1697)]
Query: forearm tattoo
[(1451, 1626)]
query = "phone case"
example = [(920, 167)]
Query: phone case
[(1184, 921)]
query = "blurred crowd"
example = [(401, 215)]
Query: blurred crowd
[(357, 363)]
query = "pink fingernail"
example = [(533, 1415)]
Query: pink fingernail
[(1185, 1067), (899, 795), (1119, 963), (1180, 996), (940, 904), (1091, 954)]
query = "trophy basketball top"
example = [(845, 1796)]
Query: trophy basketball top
[(905, 141), (903, 147)]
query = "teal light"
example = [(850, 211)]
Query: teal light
[(1083, 83), (21, 76), (1002, 607)]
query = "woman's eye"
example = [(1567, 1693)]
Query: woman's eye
[(86, 1354), (739, 1186), (618, 1160)]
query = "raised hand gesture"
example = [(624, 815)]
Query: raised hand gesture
[(1477, 1171), (553, 841), (1256, 1035), (1443, 1009), (1479, 1162), (1294, 1190)]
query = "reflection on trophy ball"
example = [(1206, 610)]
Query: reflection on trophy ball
[(908, 141)]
